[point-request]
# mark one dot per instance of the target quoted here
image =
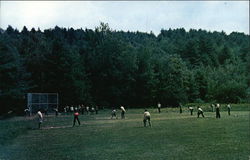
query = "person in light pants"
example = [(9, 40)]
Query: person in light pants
[(40, 118), (146, 117), (123, 112)]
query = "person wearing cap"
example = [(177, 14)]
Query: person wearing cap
[(159, 107), (40, 118), (217, 110), (146, 117), (123, 112), (76, 114), (200, 111)]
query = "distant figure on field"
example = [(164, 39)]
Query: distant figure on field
[(159, 107), (123, 112), (191, 110), (65, 110), (76, 114), (87, 109), (27, 112), (180, 108), (96, 109), (71, 109), (217, 110), (92, 110), (40, 118), (146, 117), (212, 107), (200, 111), (113, 114), (228, 109)]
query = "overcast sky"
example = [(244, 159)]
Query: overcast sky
[(142, 16)]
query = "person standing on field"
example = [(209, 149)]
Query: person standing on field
[(96, 109), (217, 110), (123, 112), (76, 114), (228, 109), (159, 107), (87, 109), (180, 108), (146, 117), (212, 107), (200, 111), (40, 118)]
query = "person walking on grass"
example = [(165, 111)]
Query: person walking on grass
[(40, 118), (76, 114), (146, 117), (159, 107), (228, 109), (200, 111), (123, 112), (217, 110)]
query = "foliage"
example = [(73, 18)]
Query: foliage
[(112, 68)]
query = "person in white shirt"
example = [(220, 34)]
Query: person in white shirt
[(200, 111), (159, 107), (191, 110), (217, 110), (71, 109), (228, 109), (113, 114), (146, 117), (87, 109), (123, 112), (40, 118)]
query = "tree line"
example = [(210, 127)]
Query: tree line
[(106, 67)]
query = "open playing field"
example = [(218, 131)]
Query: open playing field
[(172, 136)]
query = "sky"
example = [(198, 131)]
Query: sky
[(144, 16)]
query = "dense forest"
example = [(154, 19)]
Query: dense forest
[(106, 67)]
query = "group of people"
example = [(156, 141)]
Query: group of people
[(82, 109), (199, 109), (146, 115), (217, 110)]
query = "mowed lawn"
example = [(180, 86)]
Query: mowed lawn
[(172, 136)]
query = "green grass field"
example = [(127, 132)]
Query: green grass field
[(172, 136)]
